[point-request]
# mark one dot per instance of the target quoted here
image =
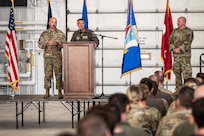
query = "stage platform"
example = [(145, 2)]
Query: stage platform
[(77, 107)]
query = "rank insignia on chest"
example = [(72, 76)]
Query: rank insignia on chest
[(84, 37)]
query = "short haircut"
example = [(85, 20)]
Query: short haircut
[(185, 96), (121, 100), (201, 76), (91, 125), (160, 76), (80, 19), (198, 112), (109, 113)]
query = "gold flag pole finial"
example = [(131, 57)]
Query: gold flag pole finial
[(12, 1)]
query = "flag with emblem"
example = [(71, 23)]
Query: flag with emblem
[(11, 52), (165, 52), (131, 54)]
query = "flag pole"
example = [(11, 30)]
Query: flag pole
[(130, 79)]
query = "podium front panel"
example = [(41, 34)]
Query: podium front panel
[(79, 70)]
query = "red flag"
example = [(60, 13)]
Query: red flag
[(11, 52), (165, 52)]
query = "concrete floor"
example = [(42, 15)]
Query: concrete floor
[(57, 120)]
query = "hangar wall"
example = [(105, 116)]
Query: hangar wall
[(106, 18)]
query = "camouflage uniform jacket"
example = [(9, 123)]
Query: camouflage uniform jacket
[(181, 38), (147, 117), (171, 121), (162, 89), (47, 35), (88, 35), (132, 131), (172, 108)]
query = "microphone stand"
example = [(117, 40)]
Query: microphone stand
[(102, 36)]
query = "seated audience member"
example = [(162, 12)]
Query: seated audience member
[(124, 127), (190, 82), (92, 125), (156, 91), (197, 118), (109, 113), (200, 77), (160, 76), (186, 129), (151, 101), (141, 115), (159, 93), (171, 121)]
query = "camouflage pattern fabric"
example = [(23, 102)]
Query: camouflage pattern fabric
[(181, 38), (52, 57), (147, 117), (172, 108), (171, 121), (181, 65)]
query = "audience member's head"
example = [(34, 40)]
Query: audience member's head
[(66, 134), (122, 101), (154, 78), (136, 93), (197, 118), (160, 76), (200, 77), (109, 113), (148, 83), (185, 97), (198, 112), (191, 82), (92, 125), (155, 88), (199, 92)]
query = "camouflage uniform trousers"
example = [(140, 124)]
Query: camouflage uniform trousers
[(49, 64), (181, 68)]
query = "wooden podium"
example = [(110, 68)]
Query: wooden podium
[(79, 72)]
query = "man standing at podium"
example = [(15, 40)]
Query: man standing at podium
[(51, 40), (84, 34)]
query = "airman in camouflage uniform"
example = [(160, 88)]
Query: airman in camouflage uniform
[(180, 43), (147, 117), (172, 120), (84, 34), (140, 115), (51, 41)]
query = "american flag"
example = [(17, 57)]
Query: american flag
[(11, 53)]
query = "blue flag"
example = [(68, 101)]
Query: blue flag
[(131, 57), (84, 15), (49, 15)]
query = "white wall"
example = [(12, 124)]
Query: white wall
[(109, 17)]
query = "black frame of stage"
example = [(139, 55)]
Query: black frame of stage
[(38, 102)]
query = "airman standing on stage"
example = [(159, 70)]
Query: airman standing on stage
[(51, 40), (84, 34), (180, 44)]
